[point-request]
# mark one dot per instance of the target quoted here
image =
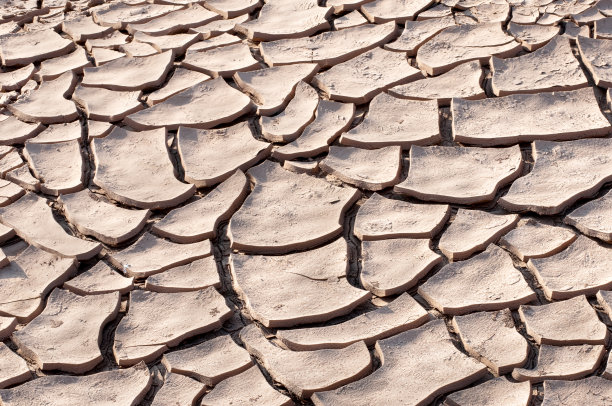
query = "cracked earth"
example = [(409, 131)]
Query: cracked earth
[(309, 202)]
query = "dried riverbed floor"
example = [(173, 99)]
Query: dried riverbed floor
[(328, 202)]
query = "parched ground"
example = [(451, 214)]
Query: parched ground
[(328, 202)]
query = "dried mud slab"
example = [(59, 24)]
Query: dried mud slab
[(212, 156), (15, 131), (243, 389), (472, 231), (572, 31), (48, 103), (199, 220), (597, 57), (491, 338), (53, 68), (459, 174), (105, 45), (22, 48), (352, 19), (287, 211), (487, 281), (98, 280), (331, 119), (176, 21), (279, 19), (569, 322), (209, 362), (533, 239), (311, 285), (456, 45), (563, 173), (178, 389), (498, 391), (509, 120), (310, 167), (28, 278), (157, 321), (150, 255), (134, 168), (198, 106), (416, 33), (580, 269), (306, 372), (22, 177), (10, 161), (106, 222), (102, 56), (107, 105), (359, 79), (67, 334), (15, 79), (329, 48), (123, 386), (562, 363), (232, 8), (7, 326), (125, 73), (380, 218), (594, 218), (382, 11), (81, 28), (182, 79), (463, 82), (393, 266), (299, 112), (605, 301), (119, 15), (392, 121), (401, 314), (551, 68), (59, 133), (272, 88), (59, 166), (219, 27), (33, 221), (98, 129), (9, 192), (371, 169), (533, 36), (215, 42), (222, 61), (13, 369), (177, 43), (138, 49), (412, 353), (593, 390), (196, 275)]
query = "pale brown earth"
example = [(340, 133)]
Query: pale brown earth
[(359, 79), (492, 338), (472, 231), (594, 218), (462, 82), (459, 175), (210, 362), (393, 121), (570, 322), (551, 68), (329, 368), (401, 314), (285, 202), (369, 169), (393, 266), (381, 218), (564, 115)]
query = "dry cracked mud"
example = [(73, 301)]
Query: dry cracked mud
[(309, 202)]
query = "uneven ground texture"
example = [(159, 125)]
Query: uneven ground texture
[(311, 202)]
